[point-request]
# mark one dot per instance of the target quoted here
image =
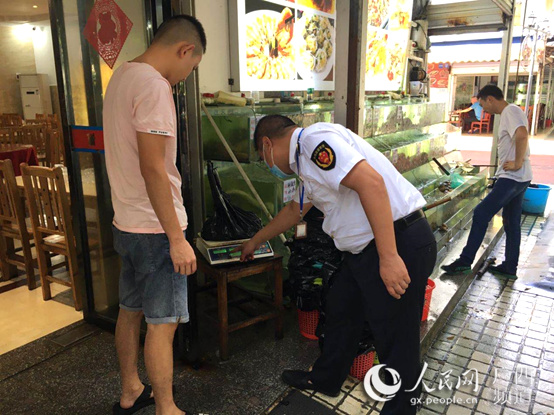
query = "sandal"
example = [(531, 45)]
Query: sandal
[(142, 401)]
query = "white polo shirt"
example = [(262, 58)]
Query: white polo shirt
[(511, 119), (327, 154)]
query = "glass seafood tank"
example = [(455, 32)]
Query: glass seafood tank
[(411, 134)]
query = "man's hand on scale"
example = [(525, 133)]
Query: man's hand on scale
[(247, 250)]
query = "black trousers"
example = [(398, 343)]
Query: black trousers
[(359, 294), (471, 117)]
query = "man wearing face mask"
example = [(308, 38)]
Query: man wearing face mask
[(374, 216)]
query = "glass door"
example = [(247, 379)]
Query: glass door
[(86, 76)]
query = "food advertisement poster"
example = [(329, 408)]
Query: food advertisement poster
[(285, 45), (438, 74), (388, 34)]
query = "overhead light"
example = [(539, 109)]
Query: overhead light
[(35, 6)]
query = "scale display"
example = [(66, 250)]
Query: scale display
[(225, 255)]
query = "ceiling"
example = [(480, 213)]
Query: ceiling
[(22, 11), (467, 16)]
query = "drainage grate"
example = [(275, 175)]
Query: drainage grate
[(530, 223)]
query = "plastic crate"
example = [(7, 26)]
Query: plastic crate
[(308, 320), (362, 364), (428, 293)]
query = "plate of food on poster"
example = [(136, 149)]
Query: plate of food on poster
[(315, 45), (269, 44)]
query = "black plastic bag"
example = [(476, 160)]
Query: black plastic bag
[(312, 261), (229, 222), (313, 266)]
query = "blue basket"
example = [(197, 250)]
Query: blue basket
[(535, 198)]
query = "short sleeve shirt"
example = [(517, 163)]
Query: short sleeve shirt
[(478, 110), (139, 99), (511, 119), (328, 152)]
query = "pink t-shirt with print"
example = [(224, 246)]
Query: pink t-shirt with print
[(139, 99)]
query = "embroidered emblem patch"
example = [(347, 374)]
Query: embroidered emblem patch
[(324, 156)]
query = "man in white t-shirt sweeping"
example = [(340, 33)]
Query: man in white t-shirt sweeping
[(514, 175)]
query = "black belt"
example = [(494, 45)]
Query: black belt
[(409, 220), (401, 224)]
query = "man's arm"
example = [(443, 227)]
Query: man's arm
[(522, 140), (285, 219), (374, 197), (151, 149)]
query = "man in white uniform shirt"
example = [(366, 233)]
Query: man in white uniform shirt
[(374, 216), (513, 177)]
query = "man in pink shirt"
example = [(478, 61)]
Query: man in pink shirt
[(150, 219)]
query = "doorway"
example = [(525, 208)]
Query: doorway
[(29, 103)]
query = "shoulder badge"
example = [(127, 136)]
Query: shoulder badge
[(324, 156)]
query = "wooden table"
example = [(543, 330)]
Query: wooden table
[(19, 153), (223, 275)]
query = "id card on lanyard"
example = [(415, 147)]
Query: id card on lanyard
[(301, 230)]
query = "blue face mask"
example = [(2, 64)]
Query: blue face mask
[(275, 170)]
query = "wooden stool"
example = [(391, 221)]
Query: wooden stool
[(224, 274)]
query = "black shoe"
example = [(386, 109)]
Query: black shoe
[(500, 270), (457, 267), (300, 379)]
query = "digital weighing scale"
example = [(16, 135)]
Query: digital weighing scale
[(222, 252)]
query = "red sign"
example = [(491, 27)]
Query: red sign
[(438, 74), (107, 29), (87, 138)]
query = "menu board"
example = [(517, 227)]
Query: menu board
[(284, 45), (438, 74), (388, 34)]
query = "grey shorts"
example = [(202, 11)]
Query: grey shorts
[(147, 281)]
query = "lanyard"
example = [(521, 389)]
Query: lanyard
[(298, 168)]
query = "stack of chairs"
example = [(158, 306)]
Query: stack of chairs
[(43, 132), (11, 120)]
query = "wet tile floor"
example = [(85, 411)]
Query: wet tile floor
[(495, 355), (502, 333)]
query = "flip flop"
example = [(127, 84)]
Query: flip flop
[(142, 401)]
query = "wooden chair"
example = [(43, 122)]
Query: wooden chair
[(5, 136), (13, 227), (18, 135), (31, 121), (11, 120), (51, 119), (54, 121), (52, 227), (485, 122), (36, 135), (53, 148)]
